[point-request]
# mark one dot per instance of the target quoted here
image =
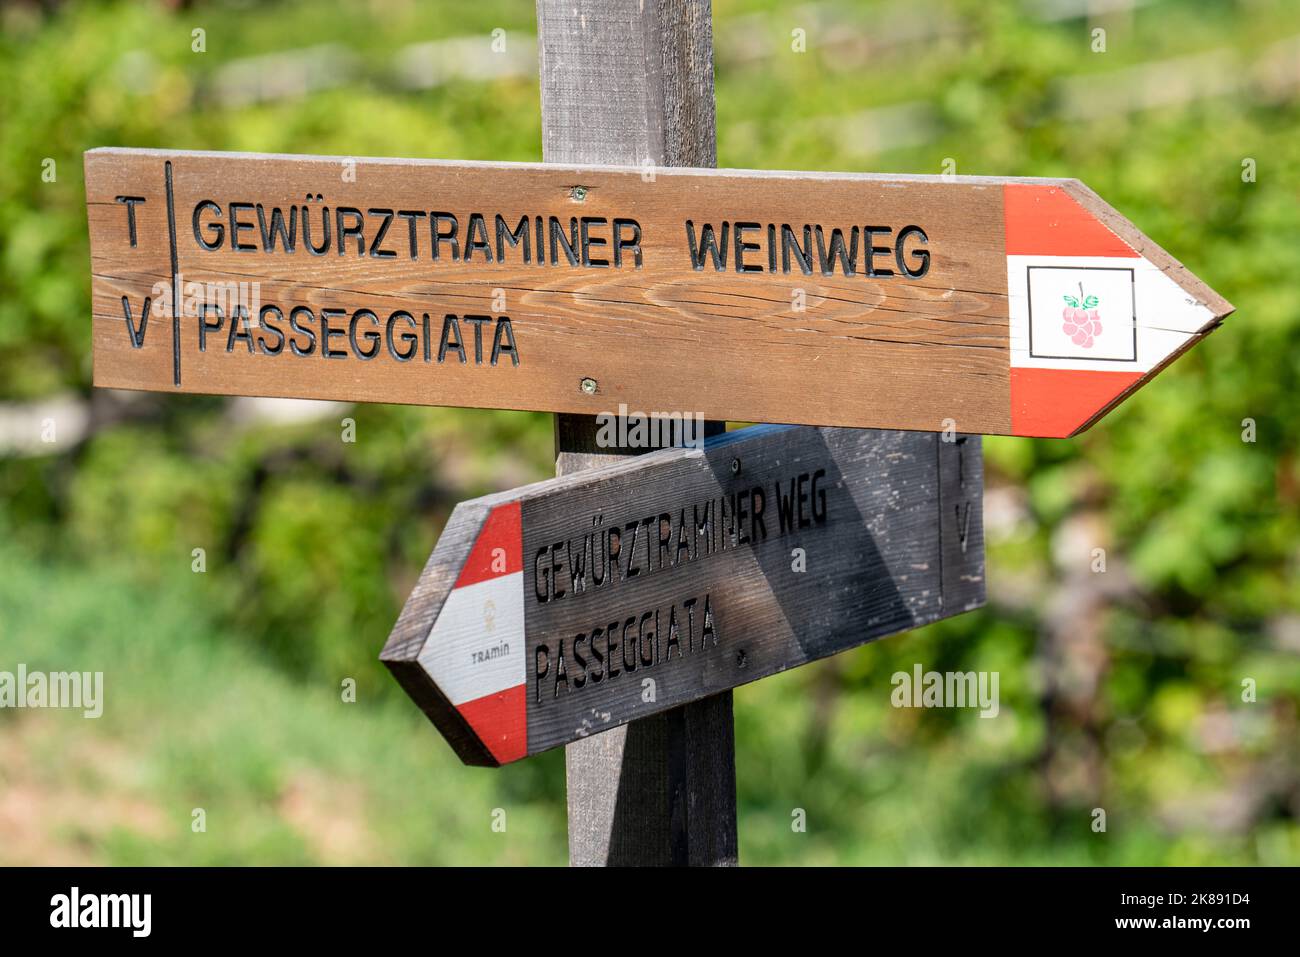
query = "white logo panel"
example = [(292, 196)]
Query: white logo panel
[(476, 647), (1082, 313), (1104, 313)]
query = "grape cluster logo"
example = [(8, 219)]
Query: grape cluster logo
[(1082, 323)]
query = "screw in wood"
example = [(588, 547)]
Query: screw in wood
[(589, 386), (578, 193), (735, 466)]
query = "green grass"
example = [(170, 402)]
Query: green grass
[(285, 771)]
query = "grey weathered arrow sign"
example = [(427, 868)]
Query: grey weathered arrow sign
[(562, 609)]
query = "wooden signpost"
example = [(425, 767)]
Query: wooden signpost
[(559, 610), (662, 789), (1006, 306), (613, 608)]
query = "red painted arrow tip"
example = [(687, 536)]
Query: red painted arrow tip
[(1058, 403), (500, 720), (1048, 221), (498, 550)]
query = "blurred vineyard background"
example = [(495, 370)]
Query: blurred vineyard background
[(1120, 690)]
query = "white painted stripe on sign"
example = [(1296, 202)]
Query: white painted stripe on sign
[(476, 647), (1140, 317)]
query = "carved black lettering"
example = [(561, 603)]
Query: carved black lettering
[(478, 322), (409, 339), (578, 566), (689, 605), (377, 251), (743, 246), (674, 639), (561, 672), (757, 523), (848, 257), (327, 333), (632, 242), (588, 241), (137, 335), (559, 241), (205, 326), (264, 321), (215, 230), (238, 225), (791, 245), (300, 329), (785, 507), (370, 336), (872, 250), (239, 330), (611, 650), (613, 550), (541, 576), (438, 237), (645, 639), (277, 231), (541, 668), (451, 338), (628, 666), (130, 202), (598, 660), (412, 217), (312, 248), (665, 539), (709, 245), (514, 237), (702, 521), (557, 566), (355, 229), (921, 256), (476, 238), (631, 570), (579, 663), (504, 341)]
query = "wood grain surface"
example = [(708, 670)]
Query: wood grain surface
[(802, 323), (572, 606)]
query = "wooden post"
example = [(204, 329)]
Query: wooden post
[(631, 82)]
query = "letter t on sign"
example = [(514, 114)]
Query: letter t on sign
[(633, 85)]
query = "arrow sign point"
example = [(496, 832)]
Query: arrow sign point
[(1094, 307), (474, 652), (572, 606)]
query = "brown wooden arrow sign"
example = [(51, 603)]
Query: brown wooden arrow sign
[(1008, 306), (569, 607)]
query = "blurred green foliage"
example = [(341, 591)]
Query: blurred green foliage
[(1120, 690)]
